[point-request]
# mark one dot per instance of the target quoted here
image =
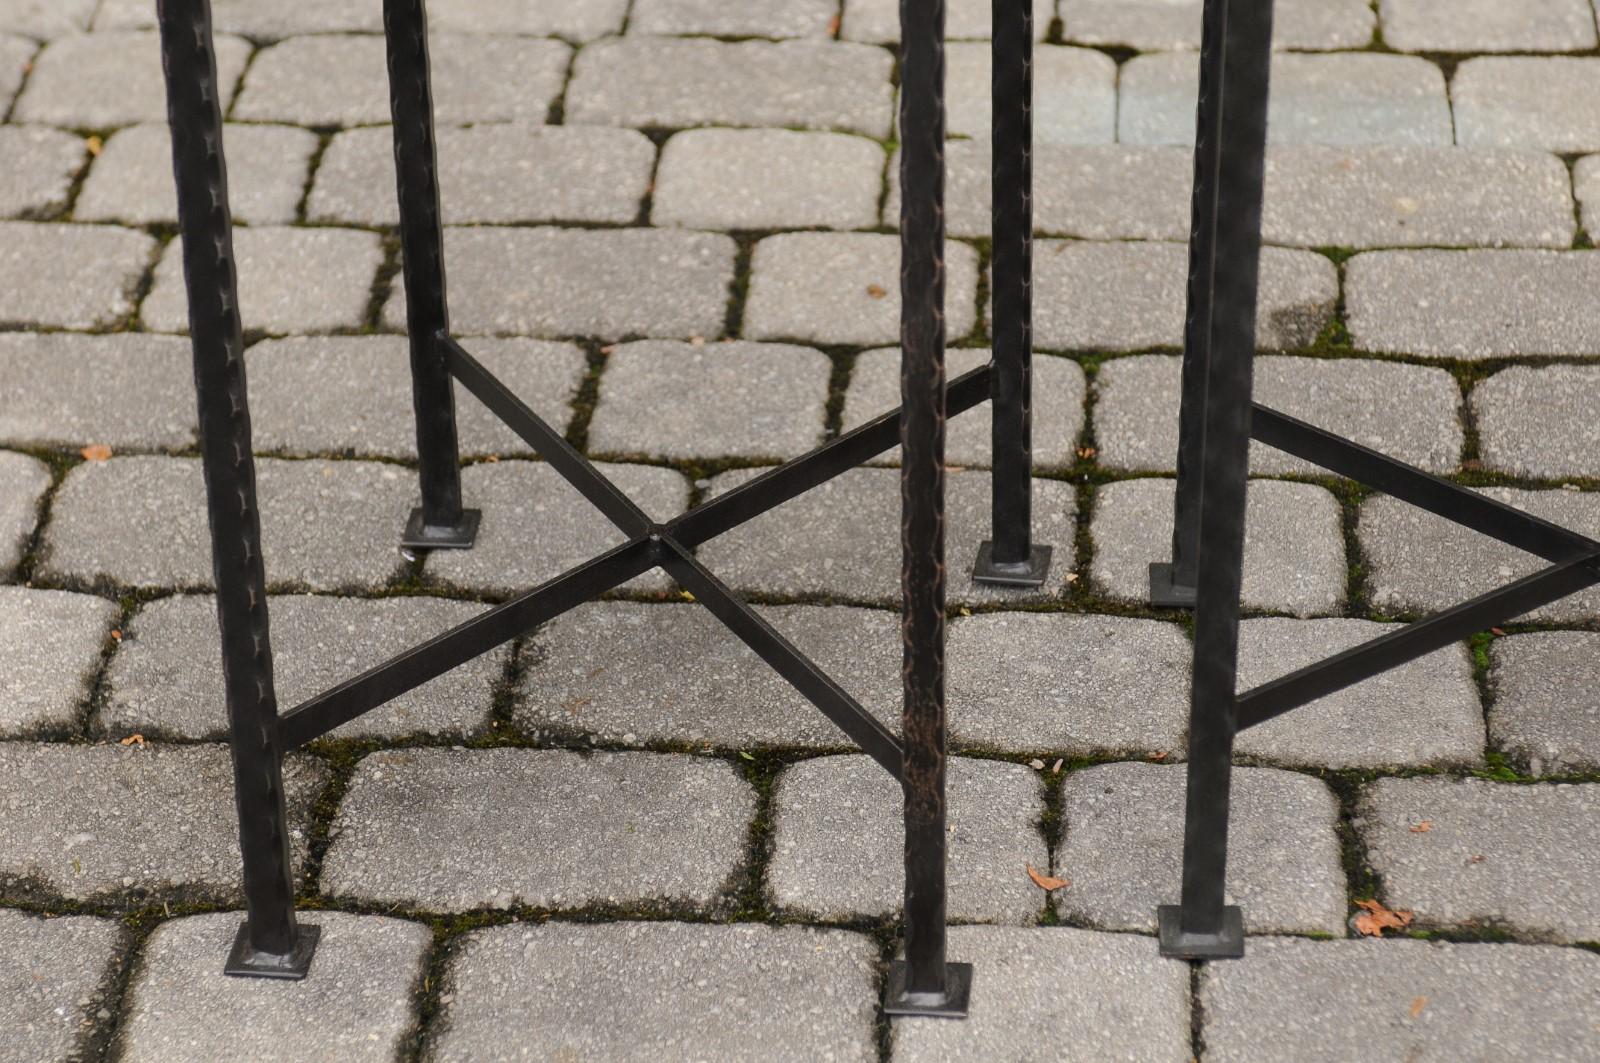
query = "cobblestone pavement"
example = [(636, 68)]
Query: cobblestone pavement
[(672, 230)]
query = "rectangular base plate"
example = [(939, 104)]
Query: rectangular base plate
[(952, 1005), (246, 962), (1226, 944), (1029, 573), (459, 536), (1164, 594)]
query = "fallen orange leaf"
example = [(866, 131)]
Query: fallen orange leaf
[(1047, 883), (1422, 828), (1375, 919), (96, 452), (877, 291), (134, 740), (1417, 1005)]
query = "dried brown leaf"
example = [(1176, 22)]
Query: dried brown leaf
[(1048, 883), (877, 291), (1375, 919), (134, 740), (1422, 828), (1417, 1005), (95, 452)]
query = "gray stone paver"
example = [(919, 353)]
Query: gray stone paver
[(1294, 559), (129, 390), (166, 678), (739, 992), (1348, 98), (100, 80), (878, 21), (1407, 412), (838, 843), (1586, 186), (674, 83), (767, 179), (1058, 390), (1473, 304), (1123, 848), (355, 1003), (44, 19), (23, 483), (290, 280), (325, 525), (575, 20), (844, 288), (1532, 421), (348, 395), (260, 20), (42, 163), (1074, 93), (1109, 996), (1513, 101), (572, 831), (131, 181), (69, 276), (1305, 25), (1342, 1000), (1128, 296), (1543, 710), (1487, 26), (1423, 714), (91, 823), (492, 174), (1522, 858), (55, 973), (668, 399), (16, 57), (1419, 563), (53, 642), (609, 284), (842, 539), (752, 18)]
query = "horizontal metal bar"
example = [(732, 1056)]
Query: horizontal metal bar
[(562, 456), (1414, 640), (317, 716), (876, 740), (772, 489), (1453, 502)]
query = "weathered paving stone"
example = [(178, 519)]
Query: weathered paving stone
[(167, 675), (739, 992), (767, 179), (574, 20), (23, 483), (16, 56), (55, 973), (1125, 296), (1058, 389), (838, 841), (557, 283), (353, 395), (1420, 563), (670, 399), (290, 280), (1551, 103), (63, 390), (141, 522), (1082, 685), (1533, 422), (260, 20), (1586, 186), (673, 83), (717, 691), (112, 823), (131, 181), (343, 80), (1293, 544), (1316, 99), (842, 539), (46, 18), (39, 173), (492, 174), (1123, 849), (53, 641), (1407, 412), (536, 525), (355, 1004), (1543, 710), (1074, 93), (839, 288), (570, 831), (99, 80), (1148, 25), (753, 18), (69, 276), (1107, 995), (1342, 1000), (1423, 714), (1474, 304), (1521, 858), (1487, 26), (878, 21)]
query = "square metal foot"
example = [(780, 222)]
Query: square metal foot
[(247, 962), (951, 1005), (1226, 944), (1164, 593), (459, 536), (1029, 573)]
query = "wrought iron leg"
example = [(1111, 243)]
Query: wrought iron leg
[(440, 522), (1203, 926), (270, 943), (1011, 557)]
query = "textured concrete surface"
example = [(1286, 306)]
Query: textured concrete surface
[(1074, 93), (53, 643), (755, 18), (38, 179), (60, 389), (878, 21), (1307, 25), (56, 975), (1485, 26), (1531, 422), (1513, 101), (55, 276), (1544, 711), (100, 80), (23, 483)]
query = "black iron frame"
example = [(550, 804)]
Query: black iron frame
[(271, 942), (1217, 421)]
